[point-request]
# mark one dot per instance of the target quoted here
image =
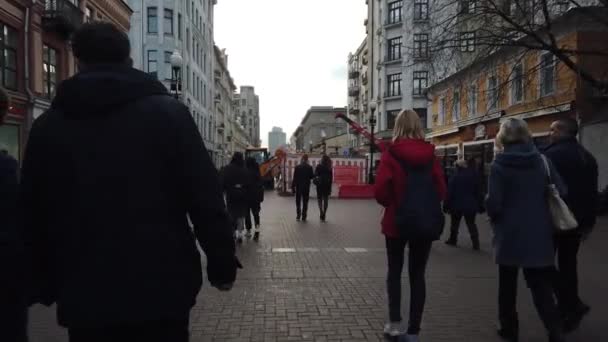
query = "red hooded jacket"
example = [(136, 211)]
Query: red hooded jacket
[(392, 179)]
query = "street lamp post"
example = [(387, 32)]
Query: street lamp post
[(176, 66), (372, 145)]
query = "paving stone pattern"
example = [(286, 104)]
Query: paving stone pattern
[(325, 282)]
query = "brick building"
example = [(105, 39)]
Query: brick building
[(34, 38)]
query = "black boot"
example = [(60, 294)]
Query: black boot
[(475, 241)]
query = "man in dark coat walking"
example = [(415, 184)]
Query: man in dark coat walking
[(578, 169), (13, 308), (236, 184), (300, 185), (112, 175)]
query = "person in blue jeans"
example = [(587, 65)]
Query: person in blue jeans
[(523, 228)]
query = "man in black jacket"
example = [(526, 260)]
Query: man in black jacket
[(13, 308), (578, 169), (302, 177), (112, 172)]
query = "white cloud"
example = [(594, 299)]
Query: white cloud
[(293, 51)]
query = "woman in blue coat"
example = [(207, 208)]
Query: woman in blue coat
[(523, 229), (464, 200)]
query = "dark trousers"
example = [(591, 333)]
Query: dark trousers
[(456, 218), (566, 280), (302, 198), (323, 202), (417, 260), (13, 304), (254, 209), (13, 322), (159, 331), (539, 283)]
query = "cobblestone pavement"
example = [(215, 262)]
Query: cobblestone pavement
[(325, 282)]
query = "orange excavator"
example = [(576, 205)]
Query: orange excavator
[(269, 166), (379, 144)]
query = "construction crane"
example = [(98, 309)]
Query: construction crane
[(268, 164), (378, 143)]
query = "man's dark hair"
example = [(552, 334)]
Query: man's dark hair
[(568, 126), (101, 43)]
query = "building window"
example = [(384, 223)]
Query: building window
[(395, 11), (391, 117), (441, 115), (394, 49), (517, 83), (547, 74), (472, 100), (421, 9), (456, 106), (421, 82), (88, 14), (394, 85), (468, 6), (204, 95), (187, 40), (168, 24), (492, 92), (8, 57), (152, 63), (179, 26), (467, 41), (49, 68), (188, 77), (422, 114), (243, 103), (421, 45), (152, 20), (168, 69)]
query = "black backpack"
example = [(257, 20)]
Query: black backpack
[(419, 215)]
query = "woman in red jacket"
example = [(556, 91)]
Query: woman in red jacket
[(408, 146)]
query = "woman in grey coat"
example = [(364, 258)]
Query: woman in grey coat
[(523, 230)]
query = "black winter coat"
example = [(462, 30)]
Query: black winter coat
[(578, 169), (256, 195), (302, 177), (323, 180), (464, 192), (236, 183), (111, 174)]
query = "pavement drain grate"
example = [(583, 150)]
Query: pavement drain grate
[(283, 250), (355, 250)]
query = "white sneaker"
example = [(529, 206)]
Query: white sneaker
[(238, 235), (412, 338), (393, 329)]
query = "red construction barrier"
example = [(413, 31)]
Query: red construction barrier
[(356, 191), (346, 175)]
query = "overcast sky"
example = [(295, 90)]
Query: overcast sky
[(294, 52)]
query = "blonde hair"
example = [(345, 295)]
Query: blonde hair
[(512, 131), (408, 125)]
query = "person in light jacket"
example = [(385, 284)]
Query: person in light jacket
[(523, 229)]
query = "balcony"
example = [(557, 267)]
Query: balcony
[(218, 98), (62, 17), (353, 91), (354, 111), (364, 79), (217, 74), (353, 74)]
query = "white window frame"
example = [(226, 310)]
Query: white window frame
[(467, 41), (441, 112), (456, 115), (542, 92), (512, 88), (492, 95), (472, 99)]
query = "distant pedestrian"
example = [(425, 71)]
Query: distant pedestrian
[(323, 181), (408, 152), (236, 182), (300, 185), (523, 228), (256, 197), (13, 307), (579, 172), (464, 199), (113, 173)]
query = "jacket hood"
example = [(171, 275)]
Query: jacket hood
[(102, 89), (519, 156), (413, 151)]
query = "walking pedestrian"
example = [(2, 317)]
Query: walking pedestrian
[(464, 199), (256, 197), (408, 148), (300, 186), (113, 173), (579, 171), (13, 310), (323, 181), (523, 228), (236, 182)]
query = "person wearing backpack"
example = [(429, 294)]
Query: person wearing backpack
[(236, 182), (518, 208), (410, 185), (256, 197), (323, 181)]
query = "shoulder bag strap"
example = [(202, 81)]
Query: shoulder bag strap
[(547, 168)]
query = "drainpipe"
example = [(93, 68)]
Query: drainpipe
[(29, 118)]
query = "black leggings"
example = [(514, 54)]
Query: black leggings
[(254, 209), (417, 260), (323, 202)]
